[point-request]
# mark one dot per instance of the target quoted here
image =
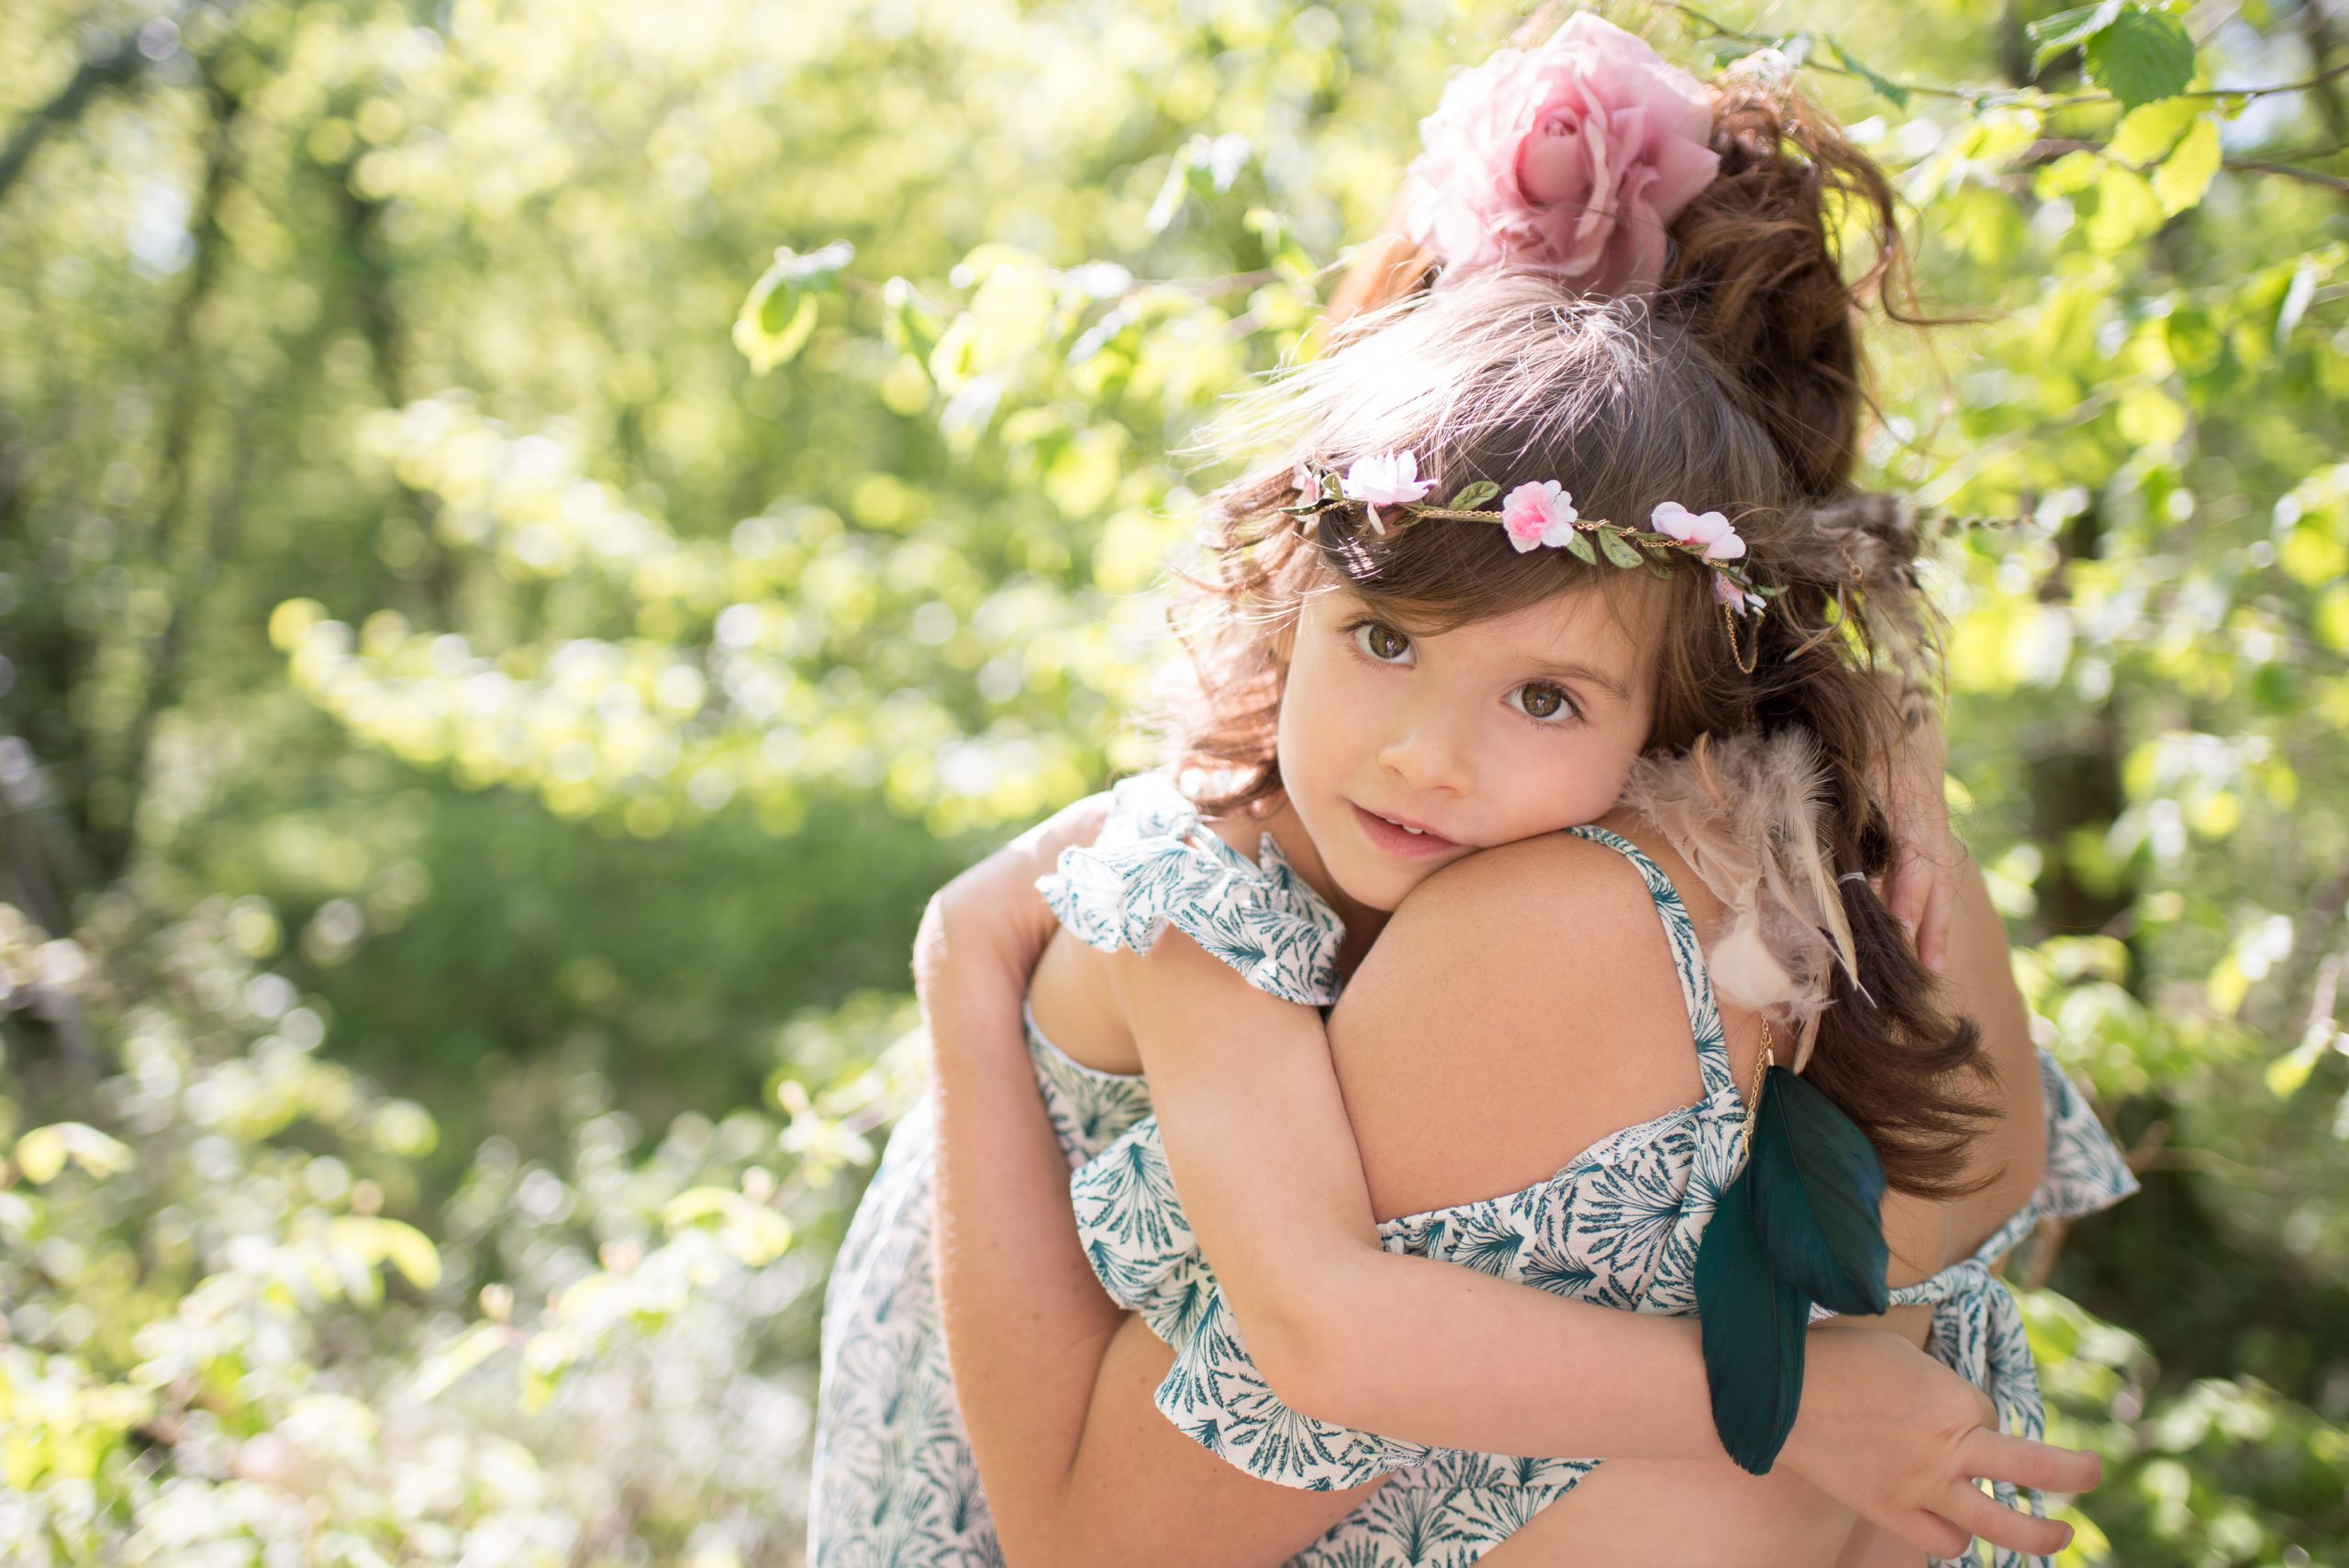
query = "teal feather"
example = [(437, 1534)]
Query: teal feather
[(1818, 1197), (1753, 1325)]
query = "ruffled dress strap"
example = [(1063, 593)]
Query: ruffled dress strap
[(1978, 1329), (1156, 863), (1687, 959)]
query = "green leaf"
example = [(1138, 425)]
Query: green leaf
[(41, 1153), (1617, 552), (2126, 210), (779, 314), (2186, 173), (907, 324), (375, 1240), (2141, 57), (2144, 135), (1891, 89), (2069, 175), (2066, 29), (1752, 1324), (460, 1356), (1472, 496), (1818, 1197), (2295, 303), (1579, 542)]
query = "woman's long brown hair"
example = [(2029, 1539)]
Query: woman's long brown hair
[(1738, 384)]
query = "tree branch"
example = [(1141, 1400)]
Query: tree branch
[(96, 72)]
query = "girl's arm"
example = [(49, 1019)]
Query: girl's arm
[(1054, 1381), (1274, 1186)]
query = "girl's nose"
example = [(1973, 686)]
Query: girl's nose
[(1425, 756)]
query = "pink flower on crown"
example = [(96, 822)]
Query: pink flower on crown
[(1709, 531), (1573, 157), (1389, 477), (1538, 515)]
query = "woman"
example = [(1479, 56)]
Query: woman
[(1075, 1456)]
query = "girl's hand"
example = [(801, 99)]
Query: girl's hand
[(992, 913), (1886, 1430), (1920, 887)]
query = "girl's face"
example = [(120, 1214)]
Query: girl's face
[(1501, 729)]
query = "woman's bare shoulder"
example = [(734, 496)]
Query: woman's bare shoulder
[(1520, 1005), (1579, 904)]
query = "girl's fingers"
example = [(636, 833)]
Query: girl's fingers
[(1979, 1514), (1996, 1456), (1933, 930), (1905, 890), (1935, 1536)]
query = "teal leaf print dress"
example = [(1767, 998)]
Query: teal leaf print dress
[(1619, 1224)]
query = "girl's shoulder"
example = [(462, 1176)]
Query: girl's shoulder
[(1158, 861)]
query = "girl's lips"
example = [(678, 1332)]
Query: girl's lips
[(1398, 842)]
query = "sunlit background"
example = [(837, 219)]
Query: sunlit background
[(533, 533)]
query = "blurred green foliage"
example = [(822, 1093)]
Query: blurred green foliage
[(533, 535)]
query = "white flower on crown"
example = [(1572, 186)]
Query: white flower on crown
[(1388, 477), (1709, 531)]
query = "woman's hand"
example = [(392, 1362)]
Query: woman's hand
[(1888, 1430), (1920, 886), (991, 914)]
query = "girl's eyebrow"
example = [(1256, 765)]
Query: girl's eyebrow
[(1586, 674)]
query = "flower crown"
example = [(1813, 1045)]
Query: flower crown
[(1541, 513)]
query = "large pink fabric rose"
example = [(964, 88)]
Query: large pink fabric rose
[(1573, 157)]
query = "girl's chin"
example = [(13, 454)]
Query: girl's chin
[(1383, 886)]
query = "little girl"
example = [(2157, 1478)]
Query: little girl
[(1593, 417)]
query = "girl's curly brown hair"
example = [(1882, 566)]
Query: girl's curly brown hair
[(1737, 384)]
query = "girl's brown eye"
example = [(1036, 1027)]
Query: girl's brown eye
[(1381, 642), (1542, 701)]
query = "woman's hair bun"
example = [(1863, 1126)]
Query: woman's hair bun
[(1757, 269)]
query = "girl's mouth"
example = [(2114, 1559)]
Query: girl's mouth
[(1397, 839)]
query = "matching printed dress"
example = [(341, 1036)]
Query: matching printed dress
[(1619, 1224)]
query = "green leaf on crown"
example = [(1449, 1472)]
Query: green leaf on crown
[(1578, 542), (1474, 495), (1620, 553)]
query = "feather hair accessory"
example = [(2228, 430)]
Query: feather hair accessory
[(1745, 812)]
